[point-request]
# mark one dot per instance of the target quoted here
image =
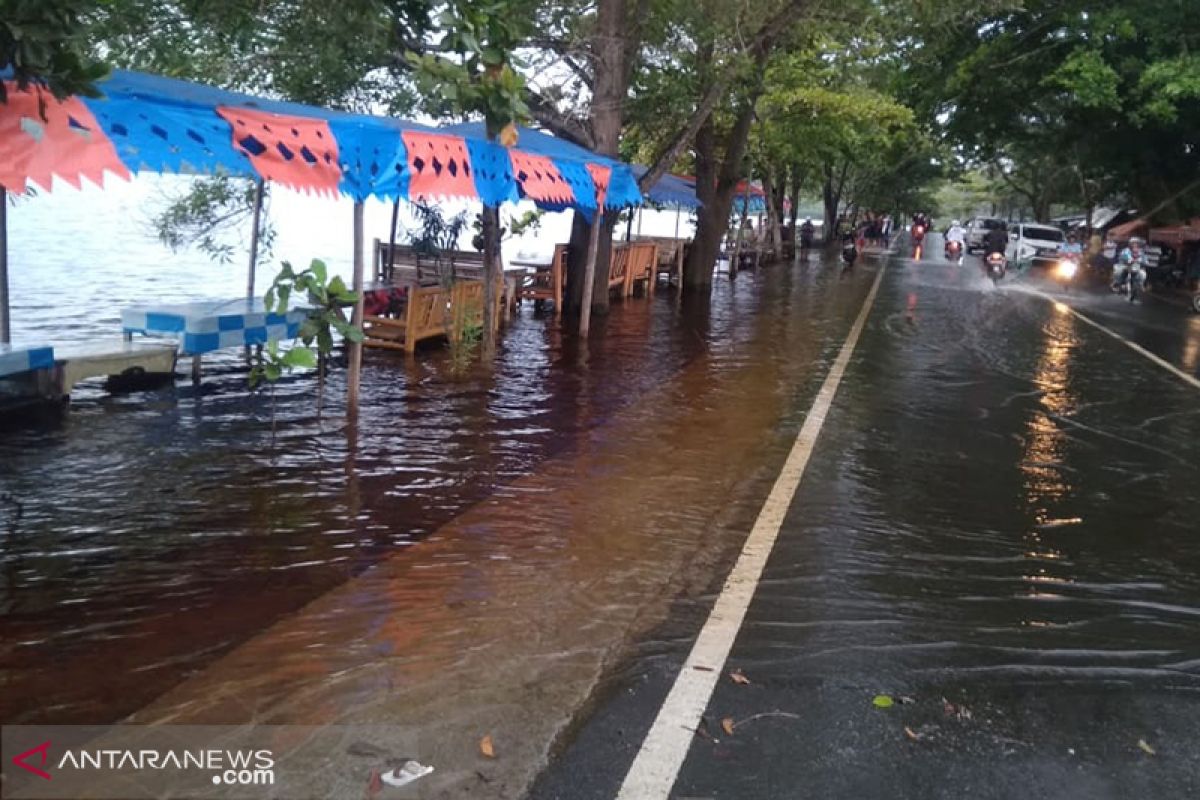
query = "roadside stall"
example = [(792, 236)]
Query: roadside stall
[(149, 123)]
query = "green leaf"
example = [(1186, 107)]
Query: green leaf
[(319, 270), (299, 357), (883, 701)]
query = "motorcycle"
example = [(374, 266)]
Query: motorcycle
[(1065, 270), (849, 254), (997, 266), (1132, 283), (954, 252)]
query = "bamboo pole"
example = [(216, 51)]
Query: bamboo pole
[(353, 379), (589, 272), (5, 328)]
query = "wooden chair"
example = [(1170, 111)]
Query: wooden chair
[(671, 254), (618, 268), (548, 283), (642, 267), (426, 315)]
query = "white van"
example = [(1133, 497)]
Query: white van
[(1035, 244)]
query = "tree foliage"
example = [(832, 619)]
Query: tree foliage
[(1072, 101), (44, 43)]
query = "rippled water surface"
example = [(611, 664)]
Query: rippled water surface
[(1003, 498)]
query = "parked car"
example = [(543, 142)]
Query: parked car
[(1035, 244), (977, 229)]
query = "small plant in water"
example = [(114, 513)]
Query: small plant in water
[(465, 347), (326, 300)]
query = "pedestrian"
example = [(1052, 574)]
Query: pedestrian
[(885, 231)]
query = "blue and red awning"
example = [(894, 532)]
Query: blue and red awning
[(149, 123)]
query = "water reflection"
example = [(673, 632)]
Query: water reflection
[(1043, 463), (160, 530)]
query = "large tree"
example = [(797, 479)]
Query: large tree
[(1072, 100)]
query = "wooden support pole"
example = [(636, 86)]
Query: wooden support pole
[(589, 272), (391, 254), (491, 277), (5, 327), (254, 236), (355, 372)]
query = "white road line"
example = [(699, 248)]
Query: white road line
[(658, 762), (1131, 345)]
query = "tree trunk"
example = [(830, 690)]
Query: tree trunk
[(796, 183), (609, 87), (831, 201), (713, 217), (774, 196)]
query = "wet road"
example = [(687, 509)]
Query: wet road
[(999, 511), (997, 529)]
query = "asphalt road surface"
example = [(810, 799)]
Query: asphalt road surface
[(986, 585)]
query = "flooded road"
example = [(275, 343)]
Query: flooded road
[(998, 531), (480, 548), (1000, 511)]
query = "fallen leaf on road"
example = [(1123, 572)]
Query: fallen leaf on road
[(375, 784), (905, 700), (727, 726), (737, 677), (485, 746), (702, 730), (883, 701), (1146, 748), (699, 668), (911, 734)]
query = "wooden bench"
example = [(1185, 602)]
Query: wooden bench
[(671, 255), (549, 282), (429, 312), (407, 264), (642, 266)]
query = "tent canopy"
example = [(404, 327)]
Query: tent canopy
[(669, 190), (146, 122)]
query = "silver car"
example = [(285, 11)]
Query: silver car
[(977, 231)]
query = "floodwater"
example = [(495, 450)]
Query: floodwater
[(482, 549), (474, 554)]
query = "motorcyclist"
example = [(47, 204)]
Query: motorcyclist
[(806, 234), (996, 240), (849, 249), (956, 234), (1131, 263), (1071, 248), (919, 226)]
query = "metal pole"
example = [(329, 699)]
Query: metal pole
[(254, 234), (352, 380), (678, 214), (589, 273), (5, 329)]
